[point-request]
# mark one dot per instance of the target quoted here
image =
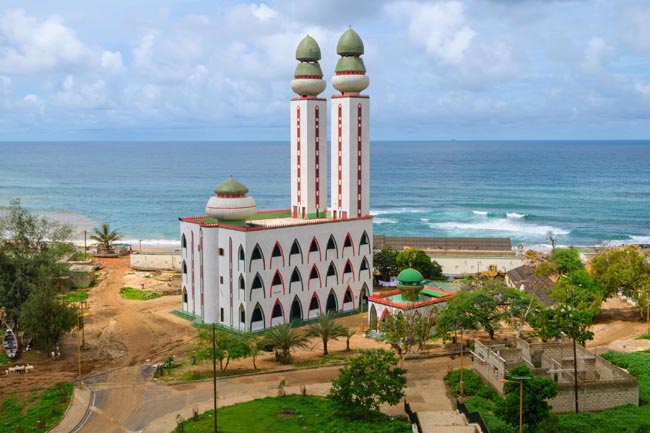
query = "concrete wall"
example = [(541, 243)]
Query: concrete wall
[(453, 265), (595, 396), (156, 261)]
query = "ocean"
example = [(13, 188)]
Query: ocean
[(586, 192)]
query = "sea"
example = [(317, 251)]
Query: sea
[(587, 193)]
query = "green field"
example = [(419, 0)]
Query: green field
[(37, 411), (290, 414), (138, 294)]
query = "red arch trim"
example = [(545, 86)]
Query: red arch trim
[(277, 243), (320, 308), (277, 272), (320, 281), (349, 289), (284, 318), (320, 254)]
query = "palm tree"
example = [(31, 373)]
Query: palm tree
[(105, 236), (349, 332), (327, 328), (282, 339)]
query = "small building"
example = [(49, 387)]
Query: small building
[(524, 279), (601, 384), (413, 296)]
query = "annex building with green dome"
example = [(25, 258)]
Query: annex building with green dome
[(251, 269)]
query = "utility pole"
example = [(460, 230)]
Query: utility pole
[(214, 375)]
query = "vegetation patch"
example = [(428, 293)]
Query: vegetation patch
[(320, 361), (643, 337), (4, 359), (36, 411), (138, 294), (290, 414), (76, 296)]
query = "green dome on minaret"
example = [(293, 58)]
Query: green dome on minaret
[(308, 50), (350, 44), (231, 186), (409, 277)]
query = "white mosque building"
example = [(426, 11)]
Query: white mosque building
[(248, 269)]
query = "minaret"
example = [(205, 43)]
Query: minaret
[(350, 134), (308, 135)]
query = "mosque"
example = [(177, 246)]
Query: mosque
[(250, 269)]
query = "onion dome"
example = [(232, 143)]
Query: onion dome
[(350, 71), (308, 76), (231, 202), (409, 283)]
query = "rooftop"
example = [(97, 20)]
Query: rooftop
[(430, 295)]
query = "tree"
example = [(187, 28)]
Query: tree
[(326, 328), (46, 318), (367, 381), (535, 393), (395, 331), (566, 260), (283, 338), (228, 346), (105, 236), (469, 310), (385, 263), (418, 259), (32, 253), (349, 333), (552, 238), (624, 270), (519, 306)]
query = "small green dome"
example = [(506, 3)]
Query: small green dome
[(346, 64), (350, 44), (231, 186), (308, 50), (311, 69), (410, 276)]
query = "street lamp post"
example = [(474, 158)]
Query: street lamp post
[(521, 380), (461, 384)]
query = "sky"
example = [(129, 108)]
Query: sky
[(221, 70)]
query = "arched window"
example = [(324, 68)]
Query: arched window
[(183, 241), (313, 275), (277, 254), (257, 255), (257, 319), (184, 267), (242, 258), (296, 310), (296, 280), (365, 240), (184, 295), (331, 304), (295, 251), (277, 314), (257, 284), (348, 269), (242, 282), (242, 315), (347, 244), (364, 267), (277, 284), (331, 248), (314, 248), (331, 272), (348, 299), (314, 306)]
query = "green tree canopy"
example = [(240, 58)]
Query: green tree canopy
[(418, 259), (535, 393), (367, 381), (385, 263), (326, 328), (624, 270), (105, 236), (566, 260), (283, 338), (471, 310), (229, 346)]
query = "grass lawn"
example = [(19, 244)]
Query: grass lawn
[(138, 294), (76, 296), (290, 414), (37, 411)]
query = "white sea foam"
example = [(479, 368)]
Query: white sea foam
[(397, 210), (499, 225), (516, 215), (384, 221), (424, 219), (480, 212)]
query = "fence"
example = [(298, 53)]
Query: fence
[(472, 417), (413, 418)]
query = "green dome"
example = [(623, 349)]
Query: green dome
[(308, 50), (231, 186), (312, 69), (346, 64), (350, 44), (410, 276)]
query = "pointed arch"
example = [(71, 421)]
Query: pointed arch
[(348, 269), (296, 280), (314, 247), (277, 253), (277, 283), (256, 255), (347, 243), (331, 304), (331, 248), (184, 267), (364, 241), (348, 300), (242, 282), (363, 296), (314, 306), (314, 274), (242, 316), (364, 266), (184, 295), (241, 258), (332, 272), (257, 318), (257, 284), (183, 241), (372, 318), (277, 314), (296, 250), (296, 310), (384, 313)]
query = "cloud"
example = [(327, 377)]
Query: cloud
[(263, 12), (28, 45), (597, 53), (440, 28), (112, 62), (643, 88)]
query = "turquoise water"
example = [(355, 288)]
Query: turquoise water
[(587, 192)]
